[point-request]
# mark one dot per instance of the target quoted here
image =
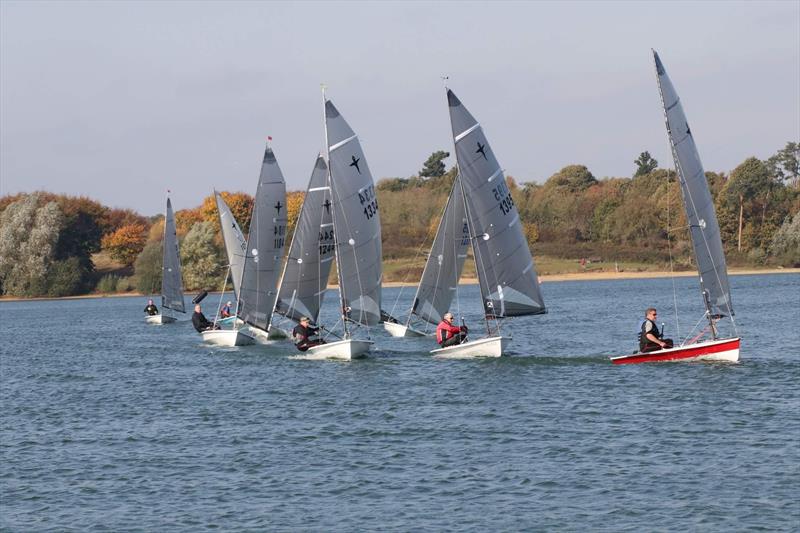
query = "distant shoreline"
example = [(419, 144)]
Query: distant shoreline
[(546, 278)]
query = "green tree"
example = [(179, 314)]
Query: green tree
[(645, 164), (201, 259), (28, 236), (786, 242), (434, 166), (785, 165), (147, 268), (748, 191)]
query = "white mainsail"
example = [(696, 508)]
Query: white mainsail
[(505, 268), (265, 244), (697, 200), (356, 221), (235, 243), (311, 253), (439, 280)]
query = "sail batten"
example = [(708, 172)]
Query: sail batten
[(311, 253), (171, 280), (265, 245), (697, 200), (505, 267)]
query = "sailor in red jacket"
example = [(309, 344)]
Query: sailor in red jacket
[(449, 335)]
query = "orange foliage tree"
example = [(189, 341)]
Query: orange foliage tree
[(294, 201), (240, 204), (126, 243)]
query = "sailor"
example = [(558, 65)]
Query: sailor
[(151, 309), (225, 312), (199, 320), (649, 336), (448, 334), (302, 333)]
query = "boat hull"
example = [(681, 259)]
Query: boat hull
[(159, 319), (717, 350), (488, 347), (400, 330), (345, 349), (227, 337)]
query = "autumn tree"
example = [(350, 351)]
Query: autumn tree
[(785, 165), (240, 204), (126, 243), (645, 164)]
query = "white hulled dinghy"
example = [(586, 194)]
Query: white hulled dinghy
[(171, 280), (506, 272), (706, 241), (357, 230)]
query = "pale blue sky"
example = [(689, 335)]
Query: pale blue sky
[(120, 101)]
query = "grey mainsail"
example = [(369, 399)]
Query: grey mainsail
[(697, 200), (265, 244), (506, 271), (443, 268), (311, 253), (171, 281), (356, 220), (235, 243)]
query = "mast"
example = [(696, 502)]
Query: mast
[(336, 244)]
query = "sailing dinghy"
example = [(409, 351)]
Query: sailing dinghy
[(506, 272), (311, 253), (357, 230), (262, 260), (706, 241), (171, 281), (439, 281), (235, 249)]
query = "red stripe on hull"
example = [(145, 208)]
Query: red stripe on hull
[(689, 352)]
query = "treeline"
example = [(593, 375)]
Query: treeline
[(50, 244)]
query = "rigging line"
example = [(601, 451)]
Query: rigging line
[(221, 296), (681, 176), (703, 317)]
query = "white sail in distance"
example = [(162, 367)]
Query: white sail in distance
[(171, 280)]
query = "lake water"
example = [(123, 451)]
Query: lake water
[(109, 424)]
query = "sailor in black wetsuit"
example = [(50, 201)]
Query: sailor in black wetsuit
[(649, 337), (151, 309), (302, 333), (199, 320)]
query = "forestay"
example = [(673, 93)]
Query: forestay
[(357, 222), (506, 272), (696, 199), (311, 253), (265, 245), (235, 243), (171, 282), (443, 268)]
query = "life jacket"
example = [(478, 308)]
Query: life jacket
[(643, 340), (444, 331)]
